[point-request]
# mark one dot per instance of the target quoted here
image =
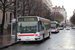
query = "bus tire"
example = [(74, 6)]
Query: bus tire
[(57, 32), (42, 39)]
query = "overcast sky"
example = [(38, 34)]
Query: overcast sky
[(69, 5)]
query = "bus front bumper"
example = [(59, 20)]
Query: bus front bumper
[(54, 31), (26, 39)]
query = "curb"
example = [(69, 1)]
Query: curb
[(3, 47)]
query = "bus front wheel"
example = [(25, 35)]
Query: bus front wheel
[(42, 38)]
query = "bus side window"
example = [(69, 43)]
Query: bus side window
[(41, 25), (41, 28), (21, 29)]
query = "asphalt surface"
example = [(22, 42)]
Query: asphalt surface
[(64, 40)]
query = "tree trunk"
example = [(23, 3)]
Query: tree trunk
[(29, 13), (23, 7), (3, 19), (15, 9)]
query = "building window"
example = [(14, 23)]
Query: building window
[(10, 17)]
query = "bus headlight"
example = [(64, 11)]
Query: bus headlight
[(17, 36)]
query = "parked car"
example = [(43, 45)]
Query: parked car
[(67, 28)]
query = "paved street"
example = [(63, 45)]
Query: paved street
[(64, 40)]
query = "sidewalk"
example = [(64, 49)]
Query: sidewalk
[(7, 40)]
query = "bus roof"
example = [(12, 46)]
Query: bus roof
[(39, 18)]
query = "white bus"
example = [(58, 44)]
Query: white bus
[(32, 28), (54, 26)]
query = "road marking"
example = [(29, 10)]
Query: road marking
[(55, 41)]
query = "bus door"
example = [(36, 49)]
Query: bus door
[(13, 29), (46, 32)]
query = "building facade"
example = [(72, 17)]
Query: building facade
[(8, 17), (62, 11), (49, 4)]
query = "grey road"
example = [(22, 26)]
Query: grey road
[(64, 40)]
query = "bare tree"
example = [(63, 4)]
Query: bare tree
[(59, 17), (33, 8), (4, 4)]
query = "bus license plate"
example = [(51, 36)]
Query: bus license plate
[(27, 39)]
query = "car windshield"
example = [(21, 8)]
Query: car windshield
[(26, 27)]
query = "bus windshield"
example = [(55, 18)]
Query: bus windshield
[(27, 27), (53, 25), (61, 26)]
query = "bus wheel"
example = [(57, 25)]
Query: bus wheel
[(43, 38)]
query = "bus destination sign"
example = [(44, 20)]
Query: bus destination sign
[(20, 19), (27, 19)]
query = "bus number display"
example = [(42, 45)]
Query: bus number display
[(29, 19)]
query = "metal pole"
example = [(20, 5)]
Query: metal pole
[(16, 22)]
